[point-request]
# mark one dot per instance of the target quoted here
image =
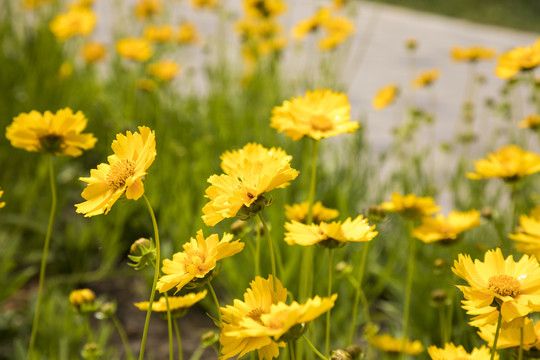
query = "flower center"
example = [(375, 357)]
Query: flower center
[(504, 285), (321, 123), (51, 143), (255, 314), (119, 173)]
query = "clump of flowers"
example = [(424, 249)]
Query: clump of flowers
[(74, 22)]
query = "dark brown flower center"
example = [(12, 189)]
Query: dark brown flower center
[(51, 143), (119, 173), (504, 285)]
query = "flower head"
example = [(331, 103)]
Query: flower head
[(145, 9), (498, 283), (334, 234), (530, 122), (178, 305), (299, 212), (453, 352), (59, 134), (264, 8), (164, 70), (188, 34), (312, 24), (410, 206), (337, 29), (195, 264), (133, 155), (134, 49), (519, 59), (509, 163), (160, 34), (385, 96), (249, 174), (93, 52), (83, 300), (510, 334), (387, 343), (319, 114), (472, 53), (426, 78), (527, 236), (440, 228), (74, 22)]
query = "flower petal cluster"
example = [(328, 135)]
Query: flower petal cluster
[(388, 343), (510, 334), (204, 4), (527, 236), (385, 96), (250, 173), (262, 320), (59, 134), (509, 163), (530, 122), (123, 174), (75, 22), (264, 8), (334, 234), (319, 213), (453, 352), (187, 34), (197, 260), (3, 203), (318, 114), (164, 70), (472, 53), (93, 52), (312, 24), (522, 58), (145, 9), (158, 33), (134, 48), (426, 78), (176, 303), (440, 228), (498, 283), (410, 206)]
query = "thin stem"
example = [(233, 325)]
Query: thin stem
[(291, 350), (408, 290), (313, 181), (520, 353), (330, 268), (216, 302), (178, 340), (258, 250), (169, 327), (156, 274), (354, 322), (43, 268), (123, 336), (497, 330), (444, 325), (317, 352), (88, 329), (271, 249)]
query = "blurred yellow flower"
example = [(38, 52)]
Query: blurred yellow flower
[(410, 206), (188, 34), (133, 155), (511, 286), (59, 134), (510, 334), (32, 4), (81, 297), (338, 29), (530, 122), (453, 352), (250, 173), (258, 299), (134, 48), (264, 8), (330, 235), (447, 229), (177, 304), (385, 96), (319, 114), (472, 53), (74, 22), (387, 343), (164, 70), (65, 70), (81, 4), (145, 84), (312, 24), (2, 204), (204, 4), (156, 33), (195, 263), (519, 59), (509, 163), (145, 9), (426, 78), (93, 52), (299, 212), (527, 236)]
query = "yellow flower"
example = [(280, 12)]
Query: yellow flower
[(32, 4), (177, 304), (83, 300), (514, 287), (518, 59), (257, 301), (2, 204), (385, 96), (453, 352), (187, 34), (472, 53), (387, 343), (164, 70), (81, 4), (148, 8), (146, 84), (133, 155), (530, 122), (197, 261), (299, 212), (204, 4), (510, 334), (509, 163), (410, 206), (307, 26), (319, 114), (446, 229), (93, 52), (134, 48), (338, 30), (74, 22), (59, 134), (250, 173), (264, 8), (161, 33), (426, 78), (527, 236), (331, 235)]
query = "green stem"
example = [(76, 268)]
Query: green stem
[(317, 352), (123, 336), (354, 322), (520, 353), (313, 181), (258, 249), (497, 330), (444, 325), (271, 249), (88, 329), (169, 328), (291, 350), (43, 268), (178, 340), (330, 268), (408, 290), (156, 274), (216, 302)]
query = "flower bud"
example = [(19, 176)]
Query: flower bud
[(438, 296), (238, 227), (354, 350), (340, 355), (91, 351), (209, 338), (142, 253), (83, 300)]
